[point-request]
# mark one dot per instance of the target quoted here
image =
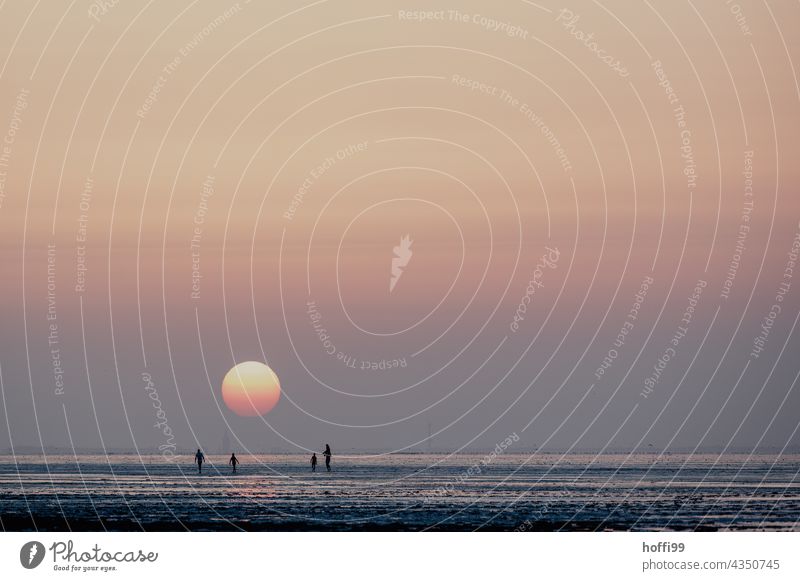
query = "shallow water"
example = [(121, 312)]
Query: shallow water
[(402, 492)]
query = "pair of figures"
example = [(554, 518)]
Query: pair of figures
[(327, 454), (199, 458)]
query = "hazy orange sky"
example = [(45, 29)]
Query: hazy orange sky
[(188, 185)]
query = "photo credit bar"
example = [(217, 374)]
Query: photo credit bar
[(357, 556)]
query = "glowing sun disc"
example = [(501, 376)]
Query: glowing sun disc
[(251, 389)]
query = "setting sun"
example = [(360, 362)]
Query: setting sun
[(251, 389)]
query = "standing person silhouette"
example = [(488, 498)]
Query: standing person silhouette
[(198, 458), (313, 462), (327, 454), (233, 462)]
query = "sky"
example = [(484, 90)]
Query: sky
[(600, 203)]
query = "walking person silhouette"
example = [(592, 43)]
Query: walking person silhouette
[(198, 458), (233, 462), (327, 454), (313, 462)]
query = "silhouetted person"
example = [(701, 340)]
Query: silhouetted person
[(327, 454), (313, 462), (198, 458), (233, 461)]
